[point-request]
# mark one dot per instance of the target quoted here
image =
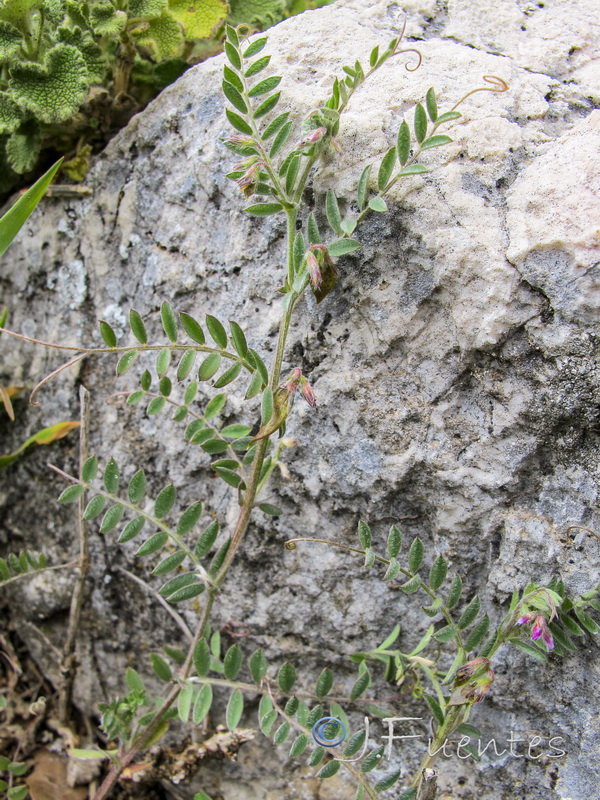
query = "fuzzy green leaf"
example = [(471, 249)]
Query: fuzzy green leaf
[(455, 591), (281, 138), (403, 143), (10, 114), (126, 361), (207, 539), (378, 204), (202, 657), (209, 366), (108, 334), (177, 583), (234, 97), (420, 123), (332, 211), (299, 745), (52, 91), (411, 586), (478, 633), (445, 634), (275, 125), (112, 518), (342, 247), (435, 141), (264, 209), (265, 86), (469, 613), (415, 555), (162, 36), (363, 187), (232, 663), (202, 704), (324, 683), (192, 328), (394, 542), (214, 406), (438, 572), (23, 148), (386, 169), (238, 339), (165, 501), (199, 18), (11, 40), (71, 493), (137, 326), (372, 760), (160, 667), (354, 744), (329, 770), (146, 8), (189, 519), (111, 476), (228, 376), (448, 116), (257, 66), (152, 544), (431, 104), (286, 677), (530, 650), (267, 105), (413, 169), (155, 406), (258, 666), (184, 703), (386, 783), (360, 685), (131, 530), (169, 563), (235, 707), (89, 469), (137, 487), (256, 47), (95, 507)]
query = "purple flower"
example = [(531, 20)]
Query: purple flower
[(540, 628), (525, 620)]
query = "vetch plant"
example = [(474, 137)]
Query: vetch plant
[(275, 164)]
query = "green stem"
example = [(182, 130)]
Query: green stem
[(292, 215)]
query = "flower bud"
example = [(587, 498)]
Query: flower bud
[(307, 392), (240, 140), (314, 273)]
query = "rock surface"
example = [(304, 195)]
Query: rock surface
[(455, 366)]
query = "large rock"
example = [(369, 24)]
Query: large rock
[(455, 366)]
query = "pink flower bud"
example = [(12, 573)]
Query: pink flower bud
[(314, 272), (526, 619), (307, 392), (312, 137), (247, 182), (240, 140), (290, 384)]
